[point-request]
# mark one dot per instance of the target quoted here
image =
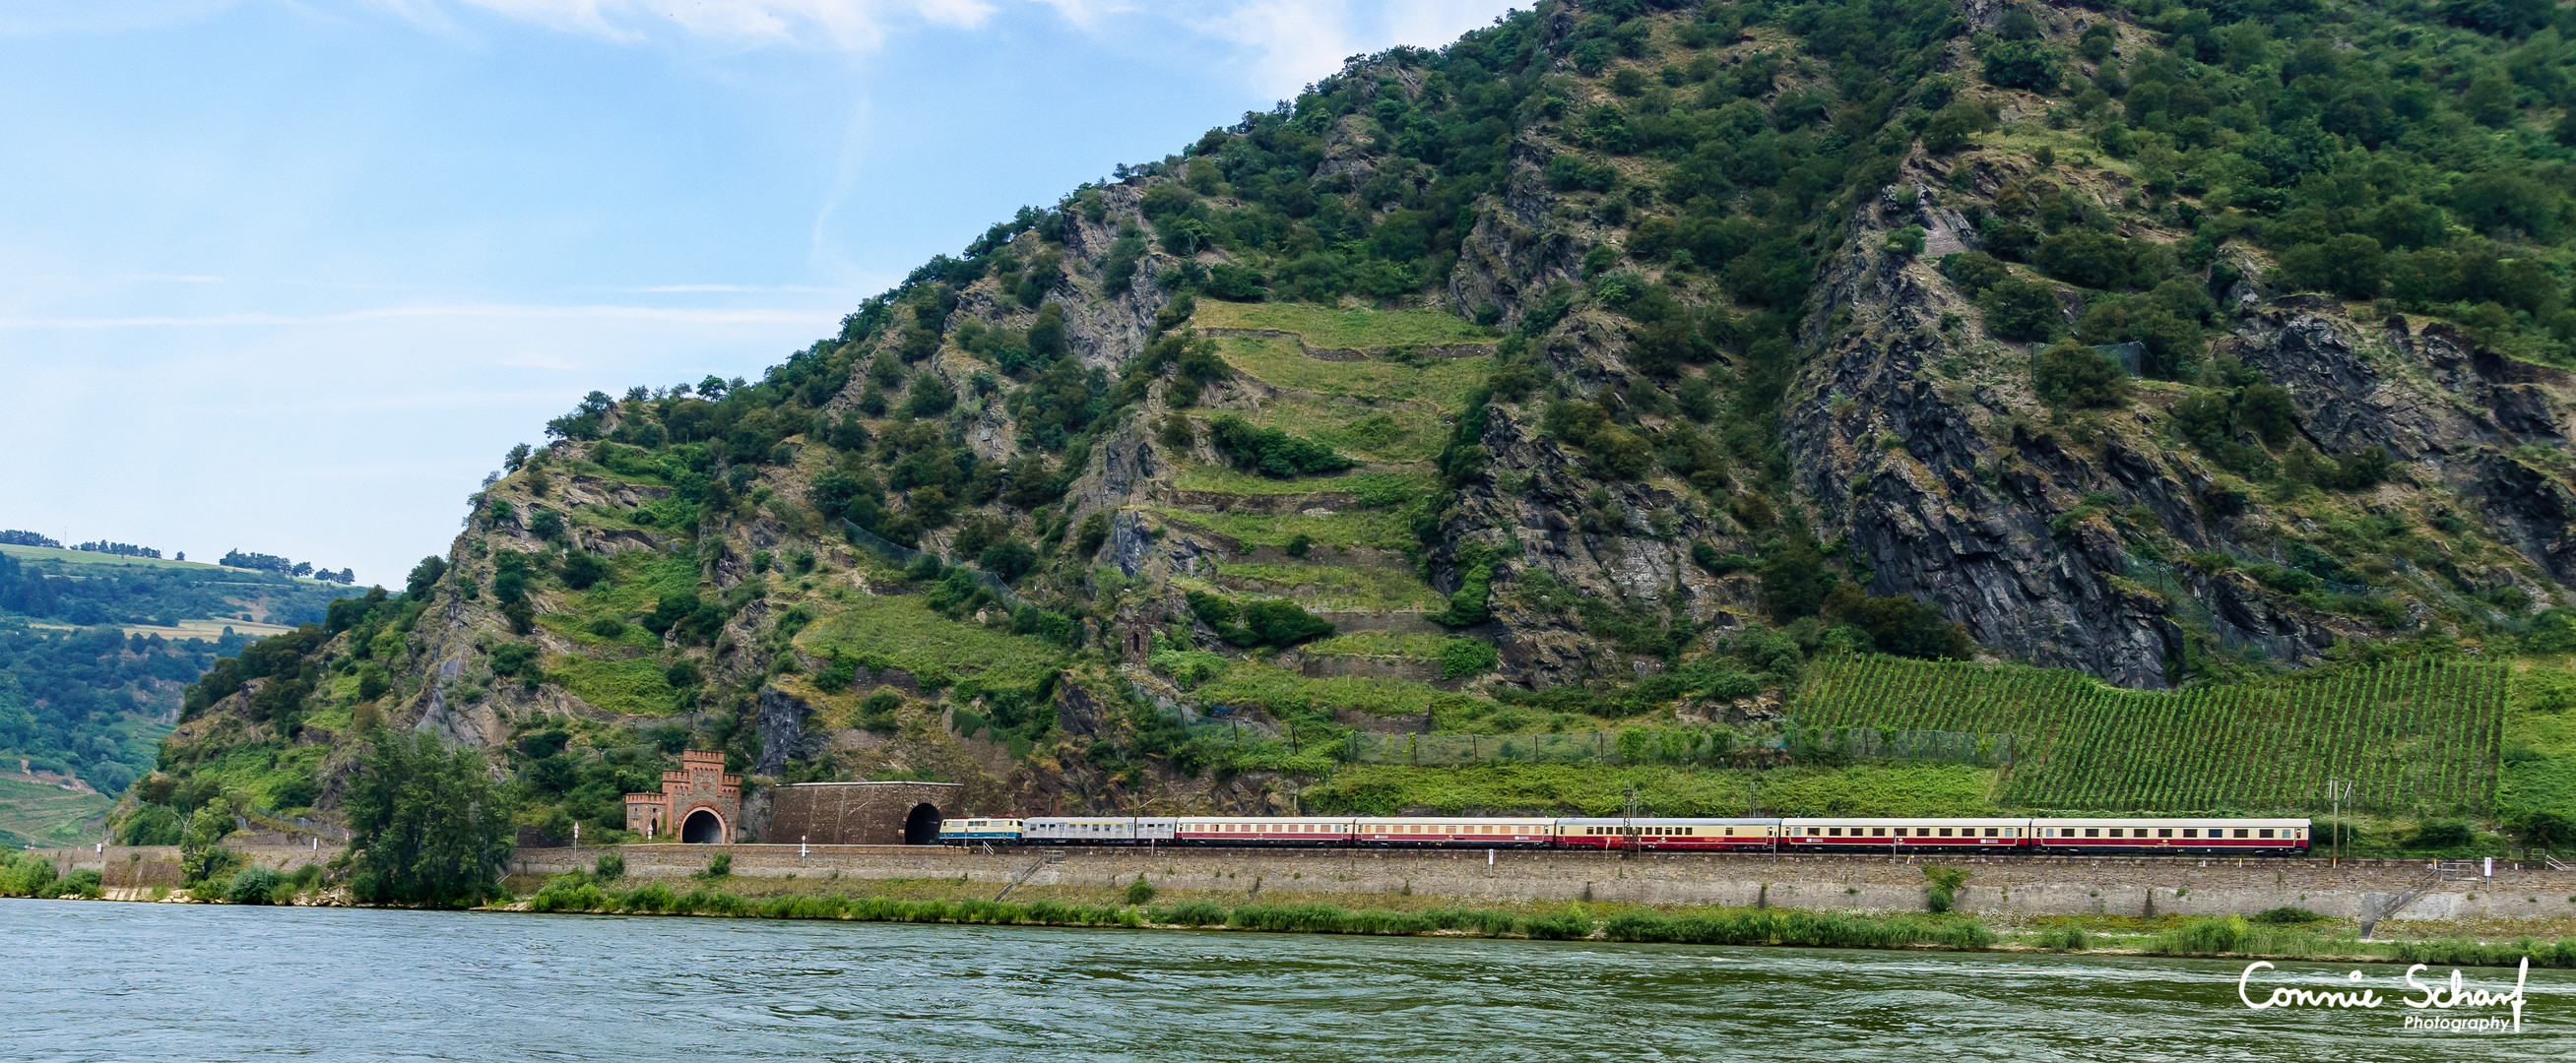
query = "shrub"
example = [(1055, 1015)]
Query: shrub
[(1974, 271), (2288, 916), (2203, 937), (1140, 891), (26, 875), (720, 865), (2021, 65), (88, 882), (1951, 129), (2545, 829), (251, 886), (1271, 452), (1563, 926), (610, 866), (2022, 310), (1942, 895), (1907, 242), (2072, 374), (2065, 939), (1190, 913), (1463, 657), (2439, 834)]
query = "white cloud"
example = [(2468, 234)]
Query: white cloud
[(1299, 41), (848, 24), (1290, 42)]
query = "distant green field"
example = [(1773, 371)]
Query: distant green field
[(1326, 326), (2418, 738), (34, 813), (84, 557)]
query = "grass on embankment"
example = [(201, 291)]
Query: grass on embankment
[(573, 893), (2226, 937)]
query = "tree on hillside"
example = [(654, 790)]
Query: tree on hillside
[(426, 823)]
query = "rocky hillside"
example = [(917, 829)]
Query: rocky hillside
[(1604, 366)]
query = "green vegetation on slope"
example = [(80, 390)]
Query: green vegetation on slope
[(42, 814)]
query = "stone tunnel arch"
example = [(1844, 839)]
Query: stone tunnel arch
[(702, 827), (922, 826)]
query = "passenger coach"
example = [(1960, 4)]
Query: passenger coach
[(2134, 834), (1262, 830), (1455, 832), (979, 829), (1829, 834), (1095, 830), (2160, 835), (1692, 834)]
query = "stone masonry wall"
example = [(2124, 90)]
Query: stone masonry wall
[(2020, 885)]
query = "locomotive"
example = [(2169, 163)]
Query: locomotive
[(2132, 835)]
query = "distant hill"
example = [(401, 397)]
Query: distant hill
[(96, 644)]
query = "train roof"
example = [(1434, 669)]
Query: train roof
[(2122, 821), (1668, 820), (1868, 821)]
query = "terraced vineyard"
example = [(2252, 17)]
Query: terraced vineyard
[(2417, 738)]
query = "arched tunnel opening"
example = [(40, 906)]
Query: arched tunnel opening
[(703, 827), (922, 826)]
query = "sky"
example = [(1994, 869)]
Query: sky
[(289, 276)]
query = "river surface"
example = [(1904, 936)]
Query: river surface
[(161, 982)]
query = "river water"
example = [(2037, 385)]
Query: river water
[(107, 981)]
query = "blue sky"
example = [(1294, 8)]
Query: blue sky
[(290, 275)]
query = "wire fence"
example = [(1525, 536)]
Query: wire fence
[(906, 556)]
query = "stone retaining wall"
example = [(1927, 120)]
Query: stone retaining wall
[(2017, 885)]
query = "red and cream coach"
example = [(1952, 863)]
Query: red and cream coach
[(1815, 834)]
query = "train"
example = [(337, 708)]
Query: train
[(2131, 835)]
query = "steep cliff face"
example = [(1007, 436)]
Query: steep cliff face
[(2106, 541), (1611, 362)]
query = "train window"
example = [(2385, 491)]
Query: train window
[(1730, 832), (2164, 832), (1877, 832), (2240, 832), (2191, 832), (2115, 832), (2264, 833), (1945, 832), (2092, 832), (1835, 831)]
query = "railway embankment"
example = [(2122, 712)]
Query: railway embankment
[(2142, 886), (1996, 885)]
